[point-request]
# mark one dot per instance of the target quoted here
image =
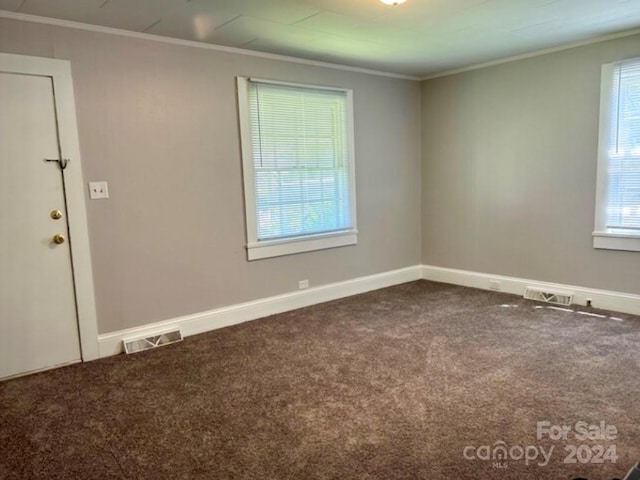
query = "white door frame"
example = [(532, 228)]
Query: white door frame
[(60, 73)]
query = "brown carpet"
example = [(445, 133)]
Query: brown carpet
[(392, 384)]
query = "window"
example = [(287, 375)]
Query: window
[(298, 166), (618, 189)]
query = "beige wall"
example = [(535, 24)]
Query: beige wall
[(509, 170), (159, 123)]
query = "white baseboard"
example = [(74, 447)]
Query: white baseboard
[(111, 343), (604, 299)]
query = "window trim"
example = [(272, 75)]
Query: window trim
[(604, 238), (259, 249)]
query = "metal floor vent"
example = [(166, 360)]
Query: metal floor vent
[(557, 297), (134, 345)]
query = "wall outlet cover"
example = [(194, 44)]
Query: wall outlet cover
[(98, 190)]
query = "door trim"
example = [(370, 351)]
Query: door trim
[(60, 73)]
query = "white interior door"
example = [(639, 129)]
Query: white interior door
[(38, 322)]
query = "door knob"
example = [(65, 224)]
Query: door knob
[(58, 238), (56, 214)]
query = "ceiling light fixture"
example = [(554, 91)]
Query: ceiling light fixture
[(393, 2)]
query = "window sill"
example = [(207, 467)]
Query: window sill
[(616, 241), (289, 246)]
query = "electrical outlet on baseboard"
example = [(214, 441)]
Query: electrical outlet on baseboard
[(302, 284), (495, 285)]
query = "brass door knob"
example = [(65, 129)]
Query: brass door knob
[(56, 214), (58, 238)]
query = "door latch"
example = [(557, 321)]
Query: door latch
[(63, 162)]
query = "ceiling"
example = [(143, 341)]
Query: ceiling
[(419, 38)]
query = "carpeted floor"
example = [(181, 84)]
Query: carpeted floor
[(395, 384)]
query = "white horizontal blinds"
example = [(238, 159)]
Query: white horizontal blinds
[(301, 158), (623, 202)]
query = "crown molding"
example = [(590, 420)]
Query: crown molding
[(537, 53), (25, 17)]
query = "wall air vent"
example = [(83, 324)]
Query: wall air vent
[(557, 297), (138, 344)]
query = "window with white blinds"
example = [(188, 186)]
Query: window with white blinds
[(298, 167), (618, 209)]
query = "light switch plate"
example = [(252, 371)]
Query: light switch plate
[(98, 190)]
